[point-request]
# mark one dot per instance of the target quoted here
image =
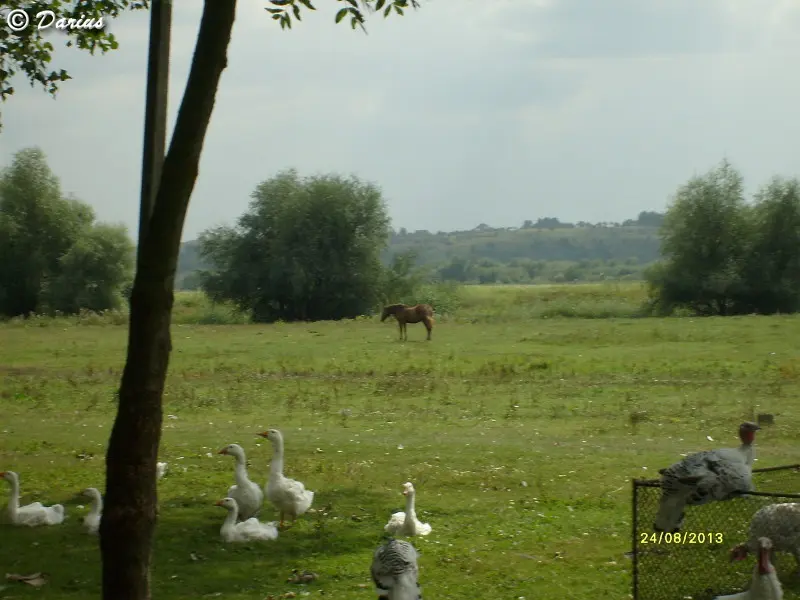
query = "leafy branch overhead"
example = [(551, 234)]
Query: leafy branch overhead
[(30, 51), (354, 9)]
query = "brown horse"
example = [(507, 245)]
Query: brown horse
[(410, 314)]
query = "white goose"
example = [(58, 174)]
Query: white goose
[(33, 514), (246, 531), (92, 520), (248, 495), (289, 496), (407, 523), (765, 584)]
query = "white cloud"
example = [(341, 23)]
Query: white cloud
[(464, 112)]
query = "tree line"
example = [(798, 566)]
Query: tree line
[(54, 256), (307, 248), (546, 251), (726, 256), (321, 247)]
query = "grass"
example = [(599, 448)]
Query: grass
[(463, 304), (521, 435), (509, 303)]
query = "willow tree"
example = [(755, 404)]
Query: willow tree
[(129, 515)]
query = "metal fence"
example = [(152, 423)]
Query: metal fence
[(698, 567)]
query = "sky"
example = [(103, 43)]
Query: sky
[(463, 112)]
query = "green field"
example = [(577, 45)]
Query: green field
[(521, 425)]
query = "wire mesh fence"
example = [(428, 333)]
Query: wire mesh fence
[(698, 566)]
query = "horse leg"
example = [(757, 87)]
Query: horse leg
[(400, 327), (405, 331), (429, 326)]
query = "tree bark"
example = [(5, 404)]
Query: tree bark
[(129, 515)]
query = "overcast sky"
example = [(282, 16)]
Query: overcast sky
[(464, 112)]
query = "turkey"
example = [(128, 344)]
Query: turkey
[(765, 584), (704, 477), (778, 522), (394, 571)]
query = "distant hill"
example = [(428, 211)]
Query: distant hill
[(545, 250)]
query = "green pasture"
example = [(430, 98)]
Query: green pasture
[(521, 425)]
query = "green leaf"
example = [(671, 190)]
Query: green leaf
[(387, 10), (379, 4), (296, 11), (398, 10), (307, 4), (342, 14), (274, 11)]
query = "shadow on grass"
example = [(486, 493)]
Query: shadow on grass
[(188, 543), (190, 558)]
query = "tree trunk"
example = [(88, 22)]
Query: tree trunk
[(129, 515)]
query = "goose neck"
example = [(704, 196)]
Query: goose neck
[(276, 466), (240, 470), (97, 504), (13, 499), (410, 504), (230, 520)]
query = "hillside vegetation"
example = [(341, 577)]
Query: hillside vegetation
[(547, 251)]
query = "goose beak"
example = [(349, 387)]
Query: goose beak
[(219, 503), (223, 451), (263, 434)]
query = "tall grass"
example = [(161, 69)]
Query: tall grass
[(582, 301), (190, 308), (452, 302)]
